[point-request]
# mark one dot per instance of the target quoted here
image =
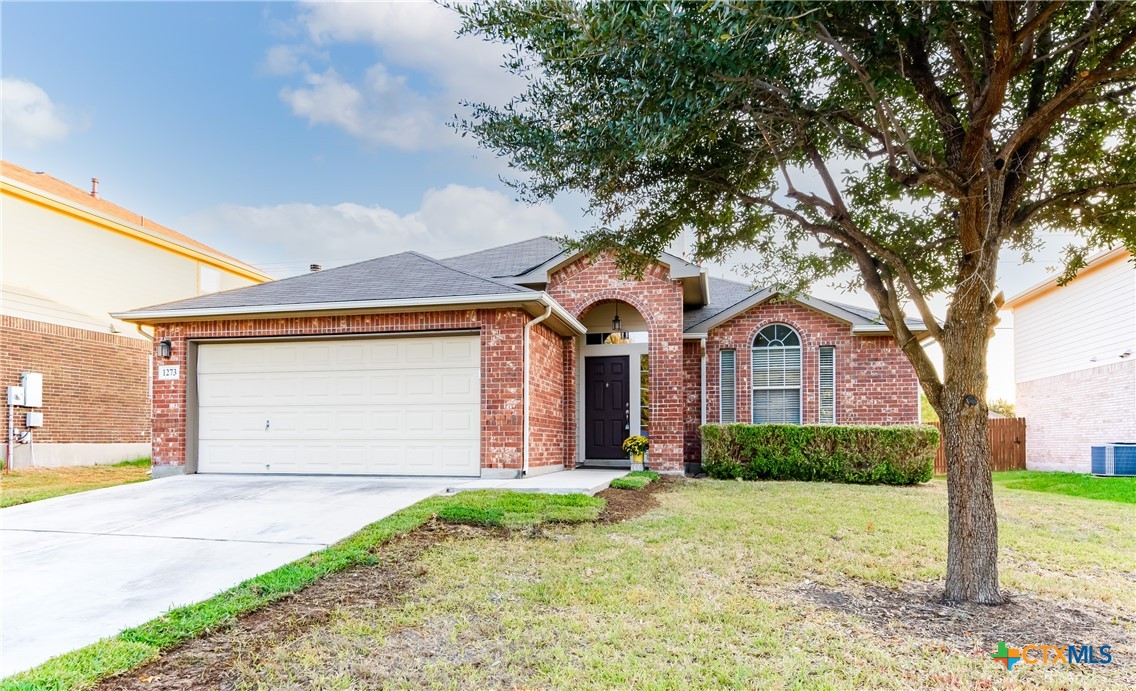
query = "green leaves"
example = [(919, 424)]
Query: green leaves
[(725, 118)]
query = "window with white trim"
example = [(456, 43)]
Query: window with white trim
[(776, 371), (728, 385), (826, 385)]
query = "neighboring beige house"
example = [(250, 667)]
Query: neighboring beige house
[(70, 259), (1075, 362)]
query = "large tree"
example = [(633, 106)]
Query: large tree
[(906, 144)]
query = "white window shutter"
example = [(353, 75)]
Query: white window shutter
[(827, 385), (728, 385)]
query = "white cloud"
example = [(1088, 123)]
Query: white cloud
[(420, 36), (382, 110), (285, 238), (405, 99), (30, 118)]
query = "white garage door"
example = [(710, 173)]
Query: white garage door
[(376, 406)]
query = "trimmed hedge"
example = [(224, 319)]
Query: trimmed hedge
[(874, 455)]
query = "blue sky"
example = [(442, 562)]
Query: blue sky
[(287, 134), (210, 116)]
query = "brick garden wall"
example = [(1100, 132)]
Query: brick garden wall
[(875, 383), (96, 386), (501, 381), (593, 280)]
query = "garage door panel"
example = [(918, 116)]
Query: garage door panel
[(339, 388), (370, 406), (449, 422), (340, 457), (349, 355)]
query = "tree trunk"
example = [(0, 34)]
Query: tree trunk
[(972, 545)]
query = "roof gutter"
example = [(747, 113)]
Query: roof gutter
[(159, 314)]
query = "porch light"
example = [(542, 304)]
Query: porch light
[(164, 348), (616, 324)]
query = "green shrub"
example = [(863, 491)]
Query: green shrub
[(894, 455)]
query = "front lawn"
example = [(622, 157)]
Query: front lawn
[(1122, 489), (722, 584), (494, 509), (23, 485)]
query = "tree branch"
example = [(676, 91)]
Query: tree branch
[(1069, 97), (1070, 199)]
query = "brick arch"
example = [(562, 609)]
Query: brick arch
[(595, 279), (613, 295), (801, 332)]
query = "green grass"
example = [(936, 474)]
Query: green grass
[(137, 463), (25, 485), (691, 595), (1121, 489), (635, 480), (137, 645)]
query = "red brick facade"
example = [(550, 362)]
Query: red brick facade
[(875, 384), (548, 405), (590, 281), (692, 395), (501, 381), (96, 386)]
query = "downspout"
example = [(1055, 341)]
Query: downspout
[(525, 392), (702, 342)]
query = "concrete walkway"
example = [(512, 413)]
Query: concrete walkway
[(79, 568), (582, 481)]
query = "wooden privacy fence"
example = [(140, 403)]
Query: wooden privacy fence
[(1007, 445)]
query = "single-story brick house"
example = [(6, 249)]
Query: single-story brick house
[(517, 360)]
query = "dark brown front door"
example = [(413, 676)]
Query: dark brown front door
[(607, 411)]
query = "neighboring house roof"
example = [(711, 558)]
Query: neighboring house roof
[(24, 303), (411, 279), (66, 192), (1093, 263)]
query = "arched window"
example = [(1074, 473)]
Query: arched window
[(776, 369)]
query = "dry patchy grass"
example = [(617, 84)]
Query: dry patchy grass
[(24, 485), (729, 584)]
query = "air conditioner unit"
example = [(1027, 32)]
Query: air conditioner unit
[(1117, 459)]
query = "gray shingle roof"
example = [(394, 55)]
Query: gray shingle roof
[(403, 276), (872, 315), (724, 294), (508, 260)]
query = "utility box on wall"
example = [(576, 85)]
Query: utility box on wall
[(32, 382)]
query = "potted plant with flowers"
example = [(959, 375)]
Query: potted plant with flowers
[(636, 446)]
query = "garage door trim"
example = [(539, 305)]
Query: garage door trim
[(192, 429)]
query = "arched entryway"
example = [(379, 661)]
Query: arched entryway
[(614, 382)]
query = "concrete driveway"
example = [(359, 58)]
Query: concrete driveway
[(83, 567)]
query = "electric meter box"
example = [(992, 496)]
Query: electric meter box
[(35, 419), (15, 395), (33, 389)]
